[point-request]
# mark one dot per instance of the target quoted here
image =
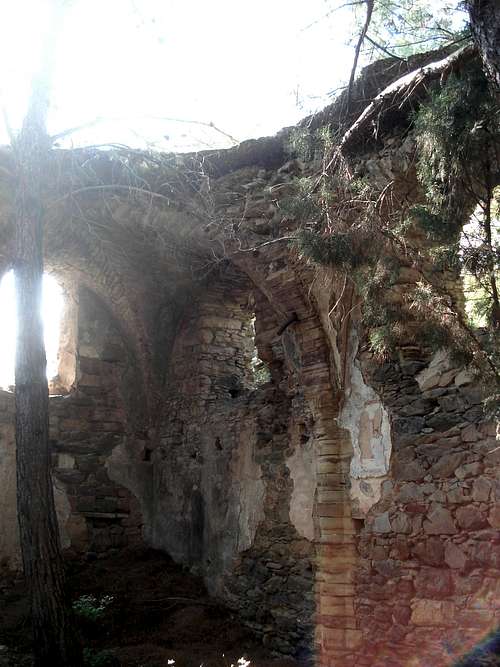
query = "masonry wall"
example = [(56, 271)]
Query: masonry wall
[(95, 514), (429, 551), (347, 507), (232, 468)]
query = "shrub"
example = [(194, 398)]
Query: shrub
[(91, 608)]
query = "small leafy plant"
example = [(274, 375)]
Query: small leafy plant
[(91, 608)]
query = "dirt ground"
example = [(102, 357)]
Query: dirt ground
[(158, 613)]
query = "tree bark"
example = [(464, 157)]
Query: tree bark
[(56, 643), (484, 18)]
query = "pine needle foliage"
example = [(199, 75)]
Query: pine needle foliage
[(373, 240)]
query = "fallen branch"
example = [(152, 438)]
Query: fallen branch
[(398, 92)]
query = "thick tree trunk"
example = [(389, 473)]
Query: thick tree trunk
[(485, 24), (56, 643)]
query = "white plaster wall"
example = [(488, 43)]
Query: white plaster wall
[(364, 416)]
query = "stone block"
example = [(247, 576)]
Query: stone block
[(430, 551), (439, 521), (432, 613), (454, 556), (433, 583), (353, 638), (463, 377), (470, 433), (329, 606), (409, 471), (474, 414), (481, 490), (382, 524), (446, 465), (410, 492), (442, 421), (88, 380), (470, 518), (332, 638), (469, 470), (401, 523), (494, 516)]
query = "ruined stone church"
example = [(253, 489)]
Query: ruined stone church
[(217, 399)]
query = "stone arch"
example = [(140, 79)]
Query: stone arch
[(289, 289)]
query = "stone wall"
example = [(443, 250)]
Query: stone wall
[(429, 568), (347, 507), (229, 454), (95, 513)]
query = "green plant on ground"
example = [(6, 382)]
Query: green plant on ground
[(90, 607)]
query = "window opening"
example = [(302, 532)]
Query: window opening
[(52, 309), (259, 370)]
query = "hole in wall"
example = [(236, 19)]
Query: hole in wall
[(358, 524), (218, 444), (476, 283), (53, 311), (147, 454), (260, 373)]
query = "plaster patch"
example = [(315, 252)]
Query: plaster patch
[(365, 417), (63, 511), (250, 488), (302, 466), (366, 491)]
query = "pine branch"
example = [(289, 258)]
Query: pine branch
[(398, 92)]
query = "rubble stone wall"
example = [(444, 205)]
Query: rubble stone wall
[(347, 507), (95, 513), (429, 552), (223, 468)]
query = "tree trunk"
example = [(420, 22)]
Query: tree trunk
[(56, 643), (484, 18)]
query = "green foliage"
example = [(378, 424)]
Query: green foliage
[(455, 132), (432, 224), (405, 27), (335, 249), (446, 257), (308, 145), (300, 143), (260, 372), (301, 204), (383, 252), (458, 133), (91, 608), (381, 340)]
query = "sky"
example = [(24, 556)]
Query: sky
[(52, 307), (250, 68)]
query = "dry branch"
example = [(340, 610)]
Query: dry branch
[(398, 92), (357, 51)]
